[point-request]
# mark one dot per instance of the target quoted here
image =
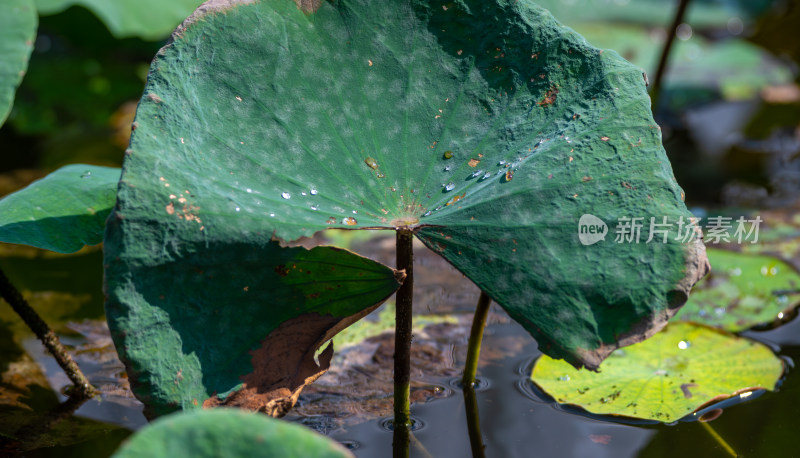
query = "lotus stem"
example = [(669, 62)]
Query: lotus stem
[(46, 335), (719, 439), (473, 422), (475, 338), (655, 92), (402, 345)]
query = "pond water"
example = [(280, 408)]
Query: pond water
[(352, 402)]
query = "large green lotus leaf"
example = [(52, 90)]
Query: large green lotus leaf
[(17, 33), (229, 433), (149, 19), (742, 291), (666, 377), (63, 211), (485, 126), (227, 321)]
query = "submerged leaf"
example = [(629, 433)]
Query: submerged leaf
[(63, 211), (17, 33), (665, 378), (229, 433), (742, 291), (367, 114)]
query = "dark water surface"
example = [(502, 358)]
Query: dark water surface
[(353, 400)]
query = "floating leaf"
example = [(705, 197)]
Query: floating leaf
[(148, 19), (61, 212), (230, 433), (220, 317), (399, 84), (17, 32), (742, 291), (665, 378)]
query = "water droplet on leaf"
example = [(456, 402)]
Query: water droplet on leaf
[(448, 154), (286, 195), (350, 221), (313, 191), (86, 174), (371, 163), (449, 186)]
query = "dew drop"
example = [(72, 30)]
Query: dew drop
[(371, 163), (448, 154), (683, 344), (286, 195), (380, 175), (313, 191), (314, 207), (486, 175), (350, 221), (449, 186), (237, 209), (428, 213), (272, 215), (501, 163), (447, 169), (477, 173), (509, 175), (249, 190), (564, 378), (303, 193), (86, 174)]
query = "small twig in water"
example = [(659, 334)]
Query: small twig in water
[(46, 336)]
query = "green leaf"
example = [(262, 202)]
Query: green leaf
[(666, 377), (227, 318), (229, 433), (366, 114), (63, 211), (17, 33), (148, 19), (742, 291)]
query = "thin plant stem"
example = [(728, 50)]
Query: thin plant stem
[(475, 338), (402, 346), (719, 439), (46, 336), (655, 91), (473, 422)]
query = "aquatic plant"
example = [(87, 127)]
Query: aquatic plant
[(485, 129)]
